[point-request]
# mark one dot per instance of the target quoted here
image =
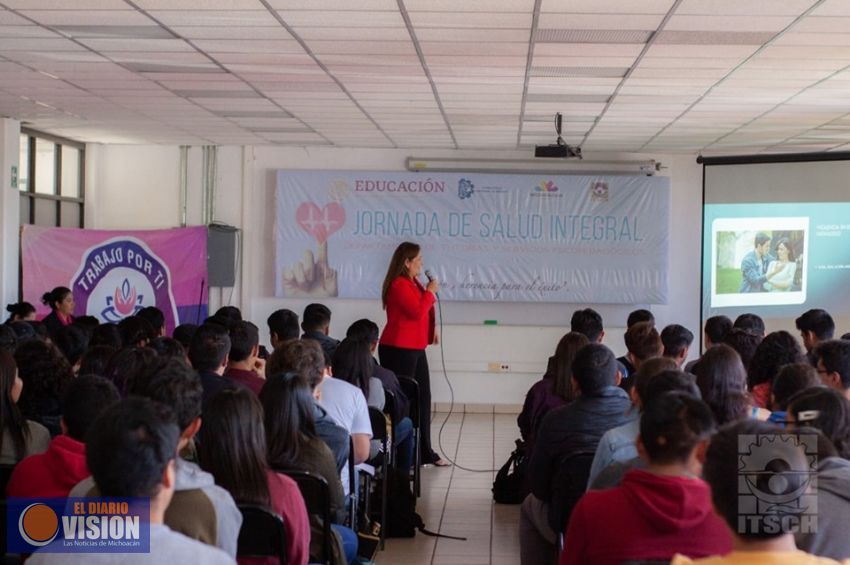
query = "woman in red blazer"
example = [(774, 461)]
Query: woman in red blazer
[(410, 329)]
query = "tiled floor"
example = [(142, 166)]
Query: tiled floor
[(459, 502)]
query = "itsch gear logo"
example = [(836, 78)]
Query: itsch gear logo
[(777, 483)]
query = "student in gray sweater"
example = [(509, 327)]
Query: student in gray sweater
[(131, 452)]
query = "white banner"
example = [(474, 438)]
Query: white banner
[(509, 238)]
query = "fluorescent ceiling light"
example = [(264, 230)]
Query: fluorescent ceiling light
[(552, 166)]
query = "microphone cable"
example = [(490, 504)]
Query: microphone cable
[(452, 401)]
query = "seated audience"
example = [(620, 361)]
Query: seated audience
[(306, 358), (677, 342), (106, 334), (316, 325), (826, 410), (72, 341), (20, 312), (199, 508), (564, 449), (19, 437), (283, 327), (660, 510), (293, 445), (722, 382), (815, 326), (714, 332), (244, 365), (830, 538), (618, 444), (653, 384), (776, 349), (55, 472), (642, 343), (168, 347), (96, 360), (751, 323), (184, 334), (368, 331), (554, 390), (636, 316), (60, 300), (233, 450), (346, 404), (832, 361), (352, 363), (129, 364), (87, 324), (231, 313), (764, 533), (131, 454), (153, 316), (135, 332), (24, 331), (46, 375), (744, 342), (8, 339), (589, 323), (208, 355), (790, 380)]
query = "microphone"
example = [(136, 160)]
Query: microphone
[(429, 275)]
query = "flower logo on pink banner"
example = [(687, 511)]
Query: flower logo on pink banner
[(119, 277)]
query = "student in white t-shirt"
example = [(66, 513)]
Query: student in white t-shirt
[(346, 404)]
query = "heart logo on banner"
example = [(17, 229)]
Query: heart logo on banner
[(321, 223)]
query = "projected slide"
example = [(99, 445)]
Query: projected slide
[(758, 261), (776, 259)]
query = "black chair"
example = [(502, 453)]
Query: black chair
[(411, 389), (5, 475), (381, 434), (352, 491), (317, 497), (262, 533)]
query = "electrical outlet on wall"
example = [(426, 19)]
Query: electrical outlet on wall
[(498, 367)]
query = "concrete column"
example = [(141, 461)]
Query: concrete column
[(10, 210)]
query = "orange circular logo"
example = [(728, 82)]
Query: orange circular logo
[(38, 524)]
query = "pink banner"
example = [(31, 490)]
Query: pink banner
[(114, 274)]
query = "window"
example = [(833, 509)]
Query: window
[(51, 181)]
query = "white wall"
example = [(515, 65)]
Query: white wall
[(138, 187)]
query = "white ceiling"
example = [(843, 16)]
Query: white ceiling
[(711, 76)]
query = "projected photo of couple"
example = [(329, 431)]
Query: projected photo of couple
[(758, 261)]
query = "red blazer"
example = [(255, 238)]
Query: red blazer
[(410, 315)]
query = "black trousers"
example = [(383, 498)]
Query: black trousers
[(414, 363)]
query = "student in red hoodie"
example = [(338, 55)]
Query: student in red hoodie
[(659, 511), (55, 472)]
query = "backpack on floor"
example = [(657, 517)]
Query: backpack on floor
[(402, 519), (509, 486)]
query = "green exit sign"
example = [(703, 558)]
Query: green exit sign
[(15, 176)]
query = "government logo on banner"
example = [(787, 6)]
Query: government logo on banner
[(119, 277), (114, 274)]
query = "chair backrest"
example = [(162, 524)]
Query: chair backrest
[(390, 402), (262, 534), (379, 424), (317, 498), (568, 485), (411, 389), (5, 475)]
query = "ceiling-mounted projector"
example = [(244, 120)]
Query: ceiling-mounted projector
[(559, 149)]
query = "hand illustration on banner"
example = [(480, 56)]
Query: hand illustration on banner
[(313, 275)]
